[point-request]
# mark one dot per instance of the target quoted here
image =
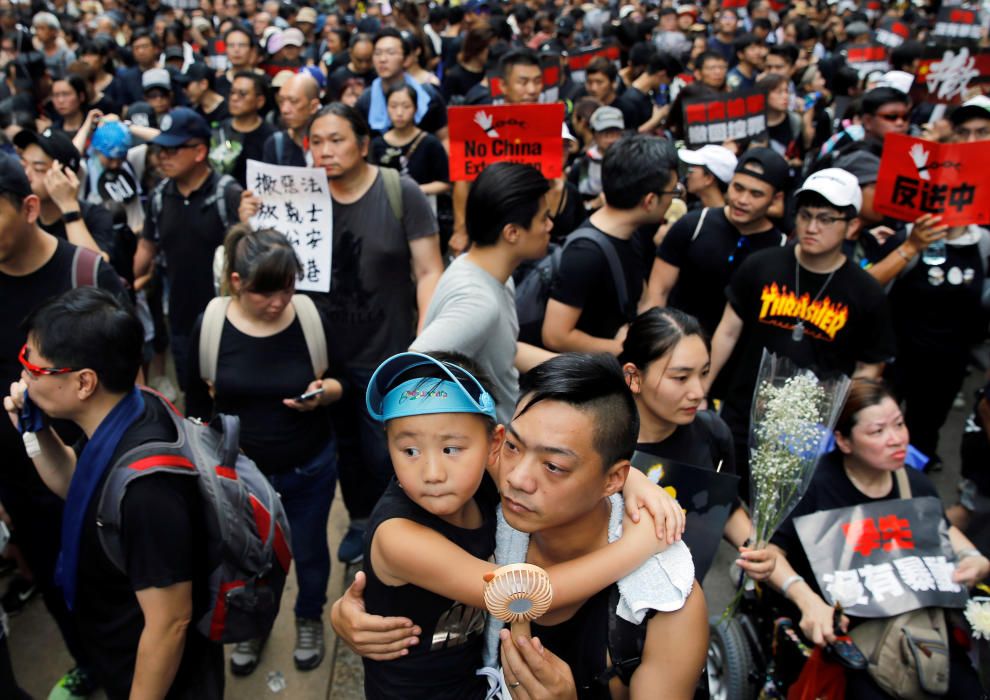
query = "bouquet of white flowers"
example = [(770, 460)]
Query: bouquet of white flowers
[(791, 422)]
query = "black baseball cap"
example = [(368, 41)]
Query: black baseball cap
[(195, 71), (767, 165), (180, 126), (54, 143), (12, 177)]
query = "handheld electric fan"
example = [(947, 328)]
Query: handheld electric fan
[(517, 594)]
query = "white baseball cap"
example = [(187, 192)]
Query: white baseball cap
[(718, 159), (897, 79), (839, 187)]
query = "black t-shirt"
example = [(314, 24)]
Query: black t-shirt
[(585, 281), (849, 323), (189, 249), (341, 76), (707, 263), (570, 213), (458, 80), (705, 442), (218, 114), (252, 145), (98, 220), (830, 488), (253, 376), (21, 295), (162, 525), (292, 154), (423, 159), (442, 665), (937, 308)]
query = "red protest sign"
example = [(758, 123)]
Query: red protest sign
[(486, 134), (924, 177)]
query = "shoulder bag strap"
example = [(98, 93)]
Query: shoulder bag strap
[(614, 264), (903, 484), (85, 267), (312, 328), (701, 221), (393, 190), (209, 338)]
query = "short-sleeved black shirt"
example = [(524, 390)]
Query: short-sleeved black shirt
[(849, 323), (97, 219), (704, 442), (585, 281), (162, 525), (425, 163), (252, 145), (188, 231), (707, 262), (21, 295)]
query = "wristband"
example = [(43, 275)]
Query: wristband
[(790, 582), (71, 217), (966, 553), (900, 251)]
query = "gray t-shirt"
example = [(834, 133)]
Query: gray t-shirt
[(474, 314), (371, 307)]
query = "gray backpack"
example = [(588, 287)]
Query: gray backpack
[(247, 531)]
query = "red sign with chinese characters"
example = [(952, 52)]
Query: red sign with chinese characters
[(924, 177), (486, 134)]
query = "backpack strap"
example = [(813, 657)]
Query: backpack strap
[(279, 146), (614, 264), (701, 221), (312, 328), (209, 338), (157, 200), (903, 484), (220, 200), (393, 190), (85, 267)]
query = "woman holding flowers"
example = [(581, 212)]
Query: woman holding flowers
[(665, 359), (871, 442)]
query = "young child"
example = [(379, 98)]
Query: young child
[(431, 537)]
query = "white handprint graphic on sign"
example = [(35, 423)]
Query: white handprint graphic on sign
[(920, 157), (485, 122)]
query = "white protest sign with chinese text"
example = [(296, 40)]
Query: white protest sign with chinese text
[(296, 202)]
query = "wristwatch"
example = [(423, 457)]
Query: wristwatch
[(71, 216)]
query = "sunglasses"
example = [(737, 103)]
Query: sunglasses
[(36, 371), (894, 117)]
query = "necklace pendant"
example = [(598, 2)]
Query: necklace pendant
[(797, 333)]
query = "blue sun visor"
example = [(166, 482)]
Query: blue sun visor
[(443, 392)]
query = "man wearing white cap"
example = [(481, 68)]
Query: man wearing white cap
[(807, 302), (971, 121), (710, 169)]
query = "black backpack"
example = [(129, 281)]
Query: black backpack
[(533, 291)]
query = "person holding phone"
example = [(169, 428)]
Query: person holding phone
[(263, 373)]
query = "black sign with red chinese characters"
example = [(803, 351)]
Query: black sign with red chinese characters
[(735, 117), (893, 32), (884, 558), (577, 61), (867, 58)]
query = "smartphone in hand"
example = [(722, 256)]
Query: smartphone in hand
[(308, 395)]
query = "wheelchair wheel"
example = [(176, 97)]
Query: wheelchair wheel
[(730, 661)]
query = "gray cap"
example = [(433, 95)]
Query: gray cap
[(605, 118), (863, 164), (156, 78), (857, 29)]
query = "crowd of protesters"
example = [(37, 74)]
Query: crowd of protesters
[(127, 128)]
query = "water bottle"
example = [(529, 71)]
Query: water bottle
[(934, 254)]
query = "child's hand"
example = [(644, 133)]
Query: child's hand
[(639, 492), (370, 636)]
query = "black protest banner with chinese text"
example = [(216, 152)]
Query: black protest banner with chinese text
[(296, 202), (867, 58), (486, 134), (884, 558), (893, 32), (577, 61), (957, 26), (924, 177), (946, 76), (707, 496), (741, 115)]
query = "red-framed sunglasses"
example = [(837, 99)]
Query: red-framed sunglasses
[(36, 371)]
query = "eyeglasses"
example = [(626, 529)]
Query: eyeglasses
[(36, 371), (807, 217), (174, 150), (678, 191), (381, 53), (241, 93), (899, 117), (977, 134)]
